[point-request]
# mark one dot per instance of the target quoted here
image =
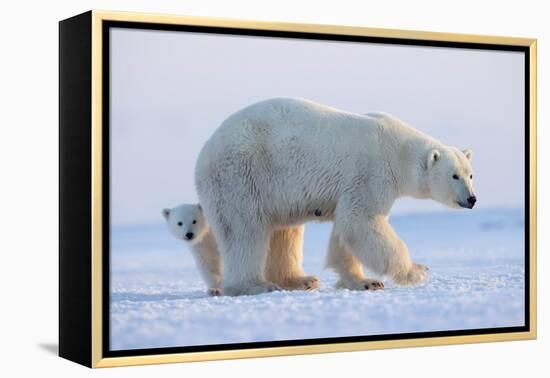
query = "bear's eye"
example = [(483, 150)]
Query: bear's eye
[(455, 176), (471, 177), (194, 222), (180, 224)]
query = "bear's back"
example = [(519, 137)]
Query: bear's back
[(279, 120)]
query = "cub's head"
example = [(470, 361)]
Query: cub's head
[(450, 177), (186, 222)]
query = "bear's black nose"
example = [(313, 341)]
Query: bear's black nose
[(189, 236), (472, 200)]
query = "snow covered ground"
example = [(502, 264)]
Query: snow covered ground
[(476, 261)]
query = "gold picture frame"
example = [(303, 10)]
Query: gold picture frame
[(82, 115)]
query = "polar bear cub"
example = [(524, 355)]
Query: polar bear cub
[(187, 222)]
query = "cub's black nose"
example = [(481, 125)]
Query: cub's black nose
[(472, 200), (189, 236)]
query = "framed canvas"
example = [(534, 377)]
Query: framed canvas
[(235, 189)]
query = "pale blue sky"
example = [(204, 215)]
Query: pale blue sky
[(171, 90)]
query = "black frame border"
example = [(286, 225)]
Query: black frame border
[(106, 27), (75, 180)]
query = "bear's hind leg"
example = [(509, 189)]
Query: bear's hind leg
[(284, 260), (348, 267), (243, 251)]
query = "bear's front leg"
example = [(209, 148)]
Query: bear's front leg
[(243, 250), (284, 261), (375, 243), (348, 267)]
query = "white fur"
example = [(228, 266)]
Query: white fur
[(270, 165), (189, 218), (283, 268)]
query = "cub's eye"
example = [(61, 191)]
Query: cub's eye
[(471, 177), (180, 224), (455, 176), (194, 222)]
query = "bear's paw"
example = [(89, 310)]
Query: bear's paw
[(360, 284), (250, 288), (416, 274), (307, 283), (214, 291)]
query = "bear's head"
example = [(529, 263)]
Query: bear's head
[(450, 177), (186, 222)]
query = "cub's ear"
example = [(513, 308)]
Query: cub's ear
[(433, 157), (166, 213), (468, 153), (199, 206)]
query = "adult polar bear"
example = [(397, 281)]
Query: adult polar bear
[(269, 166)]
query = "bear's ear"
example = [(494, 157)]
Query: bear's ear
[(468, 153), (199, 206), (166, 213), (433, 156)]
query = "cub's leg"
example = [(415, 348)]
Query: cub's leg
[(348, 267), (284, 261), (209, 262)]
